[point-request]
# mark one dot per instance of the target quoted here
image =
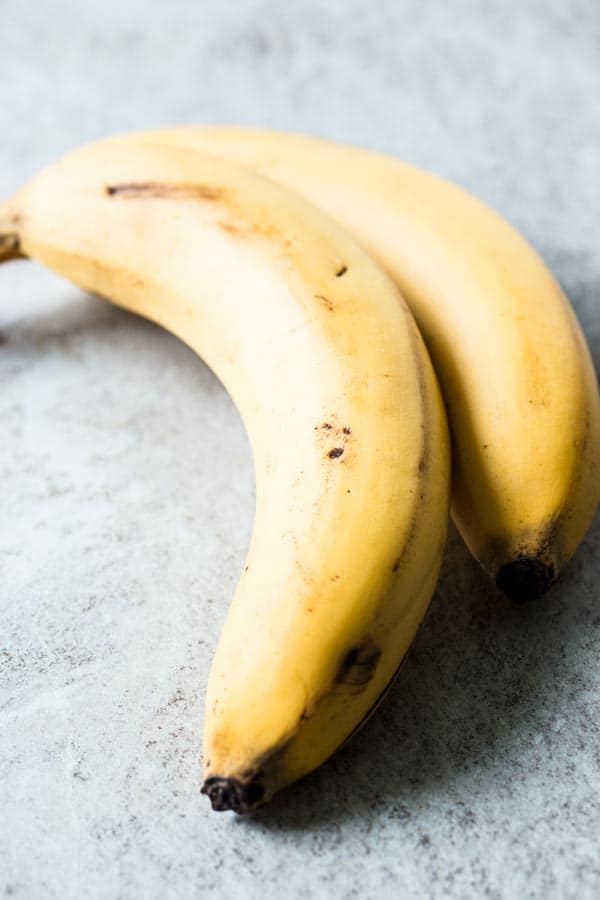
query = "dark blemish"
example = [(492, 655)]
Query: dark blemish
[(325, 425), (359, 664), (337, 451), (485, 446), (348, 491), (347, 430), (326, 302), (234, 230), (246, 568), (396, 565), (377, 702), (335, 578), (341, 271), (309, 609), (422, 465), (164, 190)]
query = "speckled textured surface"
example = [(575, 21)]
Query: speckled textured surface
[(127, 492)]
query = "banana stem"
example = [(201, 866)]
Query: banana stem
[(10, 247), (10, 240)]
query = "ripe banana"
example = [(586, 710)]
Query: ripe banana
[(347, 427), (516, 375)]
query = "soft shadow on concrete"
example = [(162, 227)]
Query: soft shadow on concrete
[(71, 316)]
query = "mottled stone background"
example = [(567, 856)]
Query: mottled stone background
[(127, 492)]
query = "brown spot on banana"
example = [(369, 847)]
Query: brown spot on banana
[(164, 190), (341, 436), (230, 228), (327, 303)]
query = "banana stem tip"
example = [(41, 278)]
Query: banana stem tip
[(10, 247), (525, 578), (230, 794)]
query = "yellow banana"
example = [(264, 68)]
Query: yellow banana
[(516, 375), (347, 427)]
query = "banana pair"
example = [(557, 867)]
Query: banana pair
[(304, 323)]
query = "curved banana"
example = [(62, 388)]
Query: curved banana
[(519, 386), (348, 432)]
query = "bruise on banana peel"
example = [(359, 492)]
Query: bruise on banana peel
[(359, 664)]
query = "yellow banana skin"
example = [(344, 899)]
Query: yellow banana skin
[(346, 423), (516, 375)]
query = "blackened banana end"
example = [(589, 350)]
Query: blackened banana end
[(231, 794), (526, 578)]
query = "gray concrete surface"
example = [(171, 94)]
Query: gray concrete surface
[(127, 491)]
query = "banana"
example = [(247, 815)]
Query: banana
[(519, 386), (343, 413)]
